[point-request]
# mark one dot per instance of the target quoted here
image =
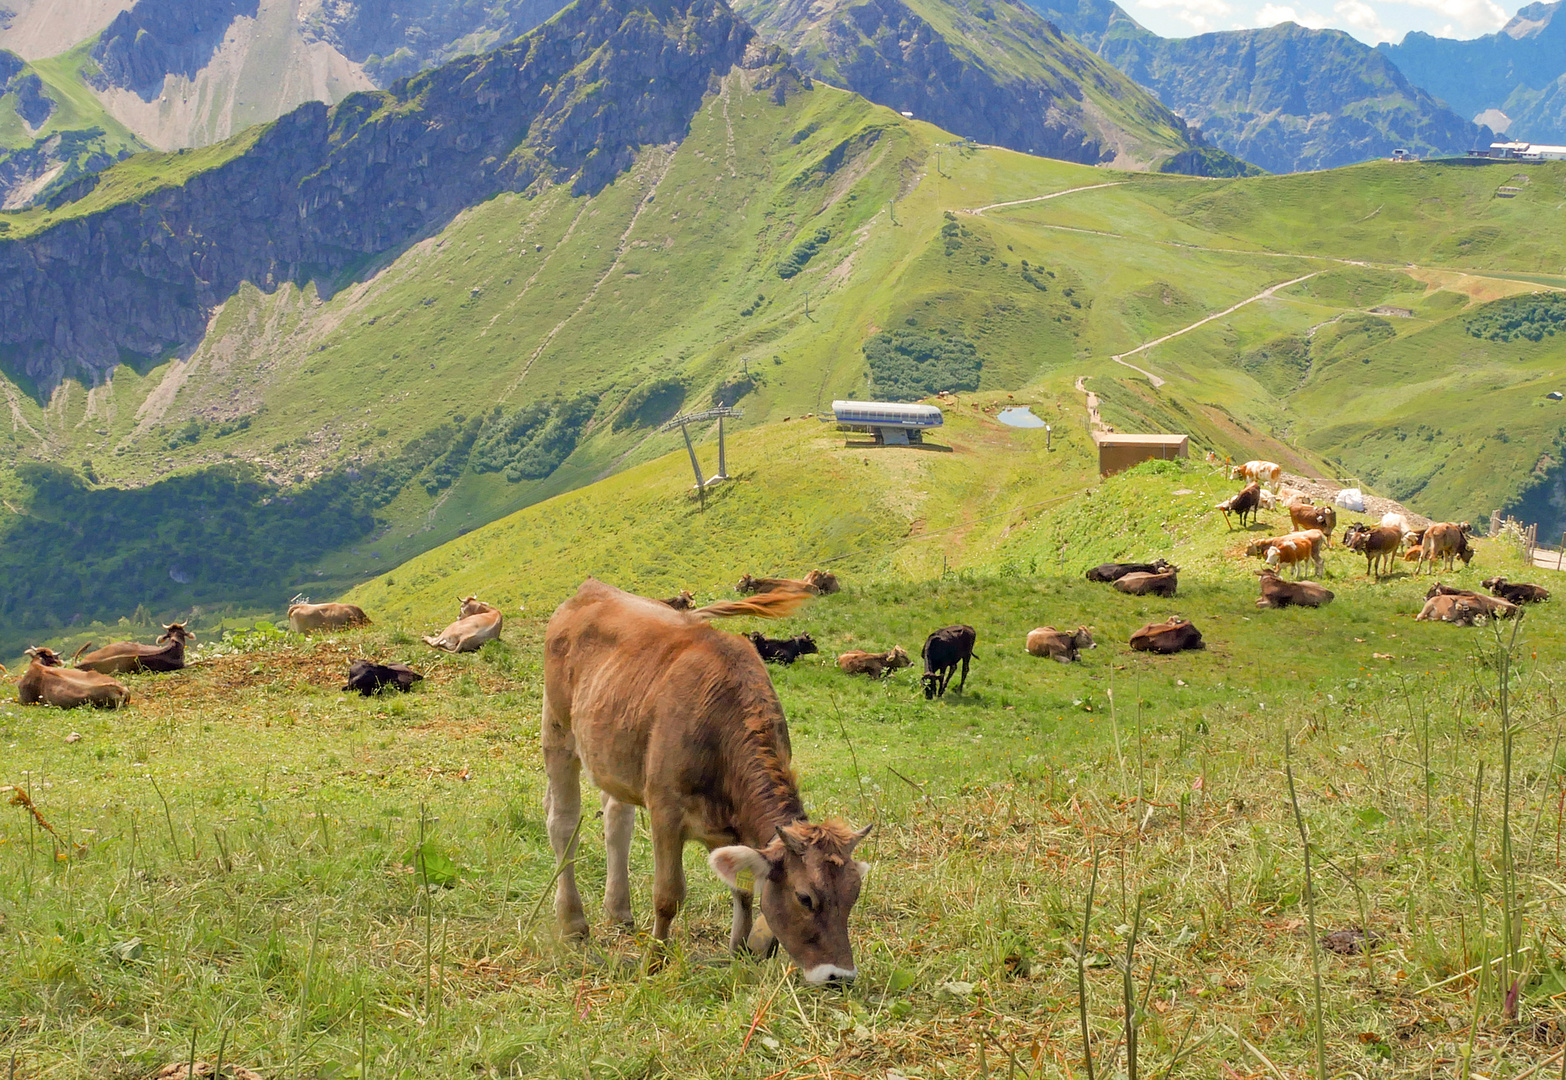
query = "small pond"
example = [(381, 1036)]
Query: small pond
[(1019, 416)]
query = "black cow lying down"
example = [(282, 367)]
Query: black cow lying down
[(782, 650), (368, 677), (1114, 571)]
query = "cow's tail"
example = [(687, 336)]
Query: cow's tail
[(85, 646), (768, 605)]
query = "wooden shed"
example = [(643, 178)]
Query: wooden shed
[(1117, 452)]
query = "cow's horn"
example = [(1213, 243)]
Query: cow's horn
[(860, 835), (790, 841)]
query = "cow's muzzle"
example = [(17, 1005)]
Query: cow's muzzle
[(830, 975)]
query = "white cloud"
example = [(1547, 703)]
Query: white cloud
[(1472, 16), (1272, 14), (1363, 21), (1199, 15)]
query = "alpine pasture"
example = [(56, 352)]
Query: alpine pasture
[(249, 864)]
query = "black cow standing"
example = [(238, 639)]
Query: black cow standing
[(943, 651), (368, 677), (782, 651)]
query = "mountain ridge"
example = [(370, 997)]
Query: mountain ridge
[(1286, 97)]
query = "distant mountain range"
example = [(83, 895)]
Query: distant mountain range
[(1286, 97), (993, 71), (1519, 70)]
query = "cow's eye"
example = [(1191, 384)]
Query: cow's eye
[(806, 901)]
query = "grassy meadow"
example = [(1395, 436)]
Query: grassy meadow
[(247, 862)]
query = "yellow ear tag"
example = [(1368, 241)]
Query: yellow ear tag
[(747, 879)]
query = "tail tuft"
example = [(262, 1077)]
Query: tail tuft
[(769, 605)]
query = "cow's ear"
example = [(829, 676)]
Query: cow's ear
[(730, 862), (863, 868)]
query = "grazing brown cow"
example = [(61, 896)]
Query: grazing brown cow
[(1137, 584), (1324, 518), (124, 656), (303, 618), (1059, 645), (823, 581), (1446, 541), (875, 665), (1277, 593), (1243, 502), (748, 585), (1378, 545), (684, 601), (1262, 472), (1517, 592), (479, 623), (1484, 605), (664, 711), (46, 682), (1171, 636)]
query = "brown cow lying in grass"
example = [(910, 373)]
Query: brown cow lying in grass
[(303, 618), (682, 601), (479, 623), (1516, 592), (1059, 645), (1484, 605), (1277, 593), (815, 583), (46, 682), (124, 656), (663, 711), (1457, 610), (1114, 571), (875, 665), (1170, 636), (1139, 584)]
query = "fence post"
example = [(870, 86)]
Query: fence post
[(1560, 555)]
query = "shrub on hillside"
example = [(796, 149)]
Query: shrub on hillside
[(906, 366), (530, 443), (1527, 317), (803, 252), (650, 404)]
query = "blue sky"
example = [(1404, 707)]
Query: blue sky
[(1371, 21)]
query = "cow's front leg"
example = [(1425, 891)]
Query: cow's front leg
[(739, 933)]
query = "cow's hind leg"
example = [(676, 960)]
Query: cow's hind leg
[(668, 836), (619, 828), (563, 816), (963, 682)]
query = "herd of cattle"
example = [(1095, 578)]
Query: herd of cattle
[(47, 681)]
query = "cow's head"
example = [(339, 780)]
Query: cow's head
[(898, 658), (1466, 553), (1082, 639), (176, 632), (44, 656), (1160, 565), (806, 644), (807, 880), (746, 584), (472, 605), (1257, 548), (1493, 582)]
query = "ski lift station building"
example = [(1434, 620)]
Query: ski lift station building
[(893, 423), (1118, 452)]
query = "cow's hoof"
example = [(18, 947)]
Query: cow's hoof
[(762, 943)]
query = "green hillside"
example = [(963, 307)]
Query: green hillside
[(53, 130), (343, 423)]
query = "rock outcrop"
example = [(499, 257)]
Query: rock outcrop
[(320, 188)]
